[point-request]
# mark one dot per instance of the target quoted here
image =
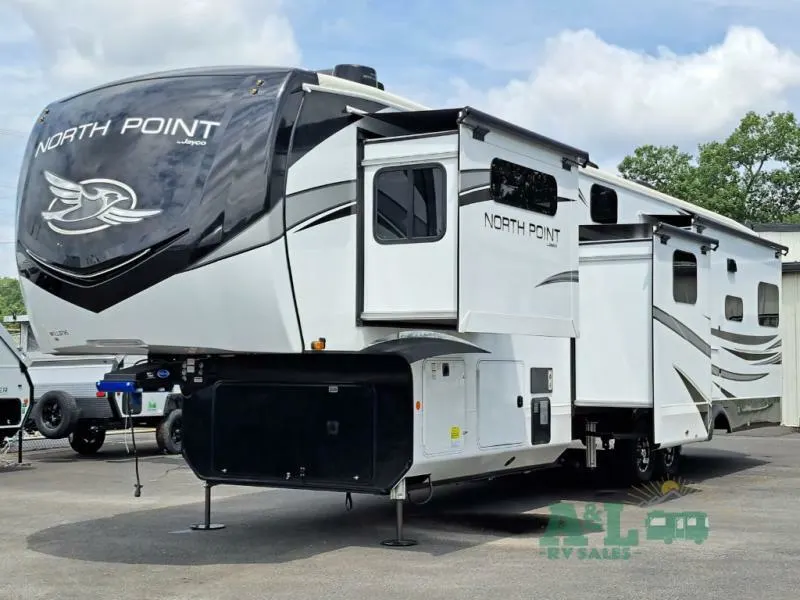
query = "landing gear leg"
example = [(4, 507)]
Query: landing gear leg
[(207, 525), (398, 495)]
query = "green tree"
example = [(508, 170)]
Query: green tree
[(11, 302), (753, 175)]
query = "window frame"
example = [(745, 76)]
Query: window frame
[(741, 306), (675, 279), (409, 229), (527, 208), (761, 316), (591, 204)]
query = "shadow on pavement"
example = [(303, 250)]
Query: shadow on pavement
[(280, 526)]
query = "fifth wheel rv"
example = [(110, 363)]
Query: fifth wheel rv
[(421, 296)]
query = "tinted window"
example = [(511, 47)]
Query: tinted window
[(523, 188), (734, 308), (603, 204), (410, 204), (768, 304), (684, 277)]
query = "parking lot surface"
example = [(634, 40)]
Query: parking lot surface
[(72, 528)]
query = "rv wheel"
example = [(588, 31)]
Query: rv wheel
[(168, 433), (668, 461), (55, 414), (87, 440), (635, 458)]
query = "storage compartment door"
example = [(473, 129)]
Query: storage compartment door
[(300, 432), (502, 420), (681, 340), (444, 406)]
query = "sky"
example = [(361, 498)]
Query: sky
[(606, 75)]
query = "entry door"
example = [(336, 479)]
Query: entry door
[(681, 340), (410, 229)]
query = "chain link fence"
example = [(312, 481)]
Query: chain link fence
[(33, 443)]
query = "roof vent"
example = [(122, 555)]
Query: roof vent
[(358, 74)]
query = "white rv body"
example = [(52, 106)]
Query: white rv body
[(739, 292), (424, 295)]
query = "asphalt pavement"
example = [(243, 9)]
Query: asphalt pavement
[(72, 528)]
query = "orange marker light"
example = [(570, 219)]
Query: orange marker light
[(419, 405), (318, 344)]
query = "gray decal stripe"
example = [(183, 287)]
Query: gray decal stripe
[(775, 345), (582, 198), (343, 211), (472, 188), (473, 178), (701, 403), (775, 360), (738, 338), (564, 277), (478, 195), (682, 330), (716, 371), (751, 355), (696, 395), (725, 392), (303, 205)]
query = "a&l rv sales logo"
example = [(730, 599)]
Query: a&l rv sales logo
[(565, 536), (91, 205)]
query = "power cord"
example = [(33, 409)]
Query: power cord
[(428, 499), (138, 485)]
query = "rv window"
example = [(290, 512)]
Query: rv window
[(409, 204), (768, 305), (734, 308), (684, 277), (603, 204), (523, 188)]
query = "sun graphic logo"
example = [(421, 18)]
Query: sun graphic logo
[(655, 492)]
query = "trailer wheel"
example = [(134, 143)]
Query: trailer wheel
[(55, 414), (635, 459), (668, 461), (87, 440), (168, 433)]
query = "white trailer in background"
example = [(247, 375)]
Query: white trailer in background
[(67, 403), (16, 391), (420, 296)]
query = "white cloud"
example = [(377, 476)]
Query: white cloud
[(610, 99), (97, 40)]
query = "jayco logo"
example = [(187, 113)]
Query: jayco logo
[(78, 208)]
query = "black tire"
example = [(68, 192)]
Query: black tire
[(168, 433), (668, 461), (87, 440), (55, 414), (635, 460)]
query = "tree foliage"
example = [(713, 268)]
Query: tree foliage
[(11, 302), (752, 176)]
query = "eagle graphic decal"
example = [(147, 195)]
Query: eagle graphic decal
[(90, 205)]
